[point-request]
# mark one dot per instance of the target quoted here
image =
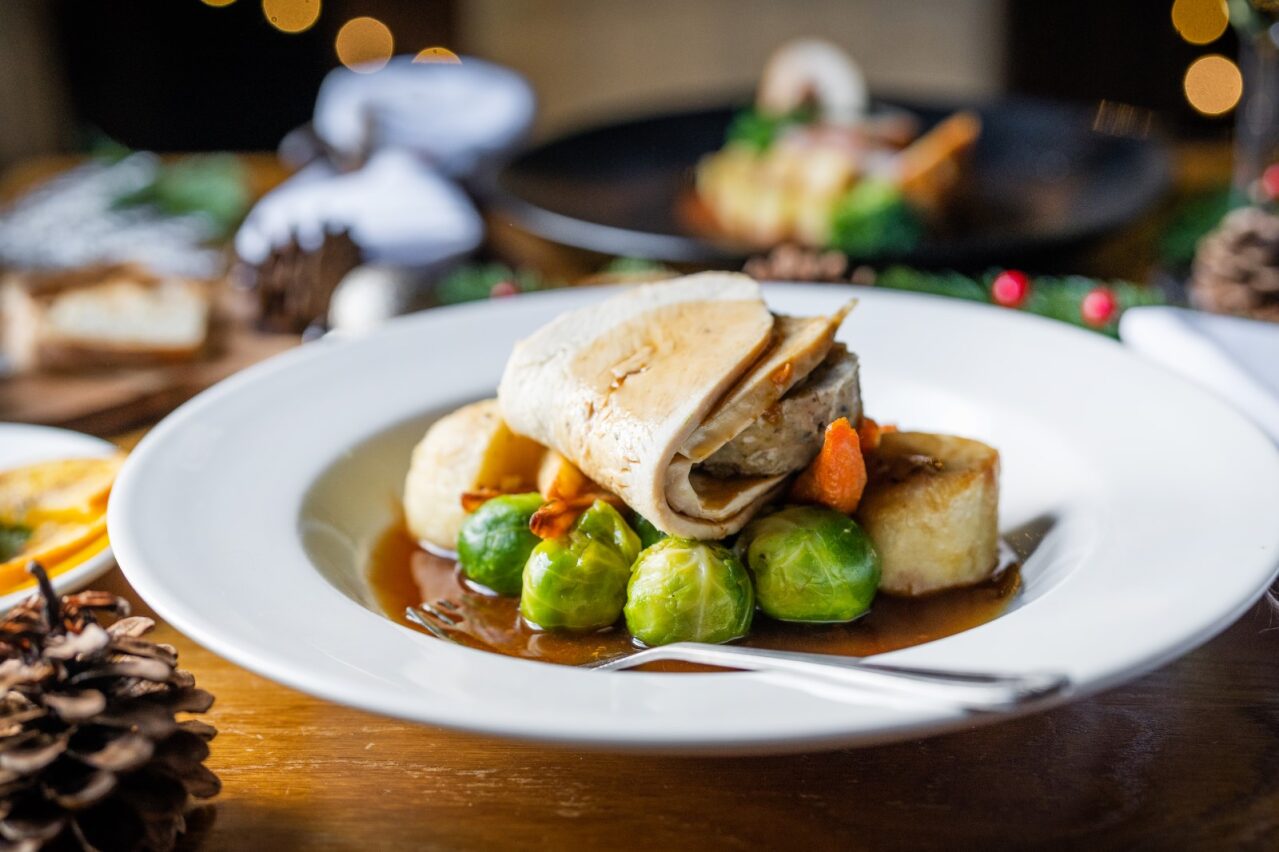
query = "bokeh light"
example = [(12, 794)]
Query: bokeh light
[(438, 54), (1213, 84), (1200, 21), (291, 16), (364, 44), (217, 3)]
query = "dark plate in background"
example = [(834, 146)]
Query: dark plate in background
[(1042, 179)]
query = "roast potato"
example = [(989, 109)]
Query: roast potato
[(931, 508), (470, 449)]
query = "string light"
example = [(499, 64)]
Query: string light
[(1213, 84), (438, 54), (291, 16), (364, 44), (1200, 21)]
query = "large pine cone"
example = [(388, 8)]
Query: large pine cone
[(1236, 269), (91, 755)]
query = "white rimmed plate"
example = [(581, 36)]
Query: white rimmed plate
[(21, 444), (246, 518)]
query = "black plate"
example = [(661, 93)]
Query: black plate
[(1041, 179)]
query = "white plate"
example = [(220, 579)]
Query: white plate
[(20, 445), (246, 518)]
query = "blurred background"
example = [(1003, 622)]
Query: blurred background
[(179, 75), (192, 185)]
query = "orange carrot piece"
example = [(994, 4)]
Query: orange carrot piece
[(868, 434), (837, 477)]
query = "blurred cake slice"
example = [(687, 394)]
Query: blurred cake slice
[(102, 317)]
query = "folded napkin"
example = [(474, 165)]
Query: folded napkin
[(1236, 358)]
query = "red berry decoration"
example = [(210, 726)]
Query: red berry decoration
[(1010, 288), (1270, 182), (1099, 307), (504, 288)]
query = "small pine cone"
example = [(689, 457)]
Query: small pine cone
[(92, 755), (1236, 268), (790, 262), (294, 286)]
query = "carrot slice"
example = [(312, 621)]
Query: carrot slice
[(868, 434), (837, 477)]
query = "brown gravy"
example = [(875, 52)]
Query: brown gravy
[(401, 574)]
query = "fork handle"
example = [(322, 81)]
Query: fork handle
[(979, 691)]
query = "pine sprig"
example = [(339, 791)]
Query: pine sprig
[(1057, 297)]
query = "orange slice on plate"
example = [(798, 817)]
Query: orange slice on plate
[(57, 546), (64, 490)]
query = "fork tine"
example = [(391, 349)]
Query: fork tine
[(434, 610), (424, 621)]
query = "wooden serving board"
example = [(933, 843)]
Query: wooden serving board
[(107, 403)]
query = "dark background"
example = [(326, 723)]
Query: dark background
[(180, 75)]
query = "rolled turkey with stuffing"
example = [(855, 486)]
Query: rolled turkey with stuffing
[(687, 398)]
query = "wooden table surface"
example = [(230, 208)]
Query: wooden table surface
[(1184, 758)]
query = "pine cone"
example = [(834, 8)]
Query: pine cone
[(1236, 269), (295, 286), (789, 262), (91, 756)]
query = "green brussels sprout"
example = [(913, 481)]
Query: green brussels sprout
[(811, 564), (649, 535), (578, 581), (688, 591), (495, 542), (605, 524)]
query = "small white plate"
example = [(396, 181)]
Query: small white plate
[(20, 445), (246, 520)]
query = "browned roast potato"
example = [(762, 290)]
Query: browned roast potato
[(469, 449), (931, 508)]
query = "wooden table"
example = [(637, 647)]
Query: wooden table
[(1187, 757)]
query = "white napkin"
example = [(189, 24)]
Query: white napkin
[(1236, 358), (458, 117), (398, 210)]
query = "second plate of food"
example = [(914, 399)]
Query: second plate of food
[(282, 535)]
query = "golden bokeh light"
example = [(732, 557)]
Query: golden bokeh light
[(1213, 84), (217, 4), (438, 54), (291, 16), (364, 44), (1200, 21)]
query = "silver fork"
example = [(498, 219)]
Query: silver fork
[(436, 618), (970, 690)]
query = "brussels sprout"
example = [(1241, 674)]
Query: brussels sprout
[(649, 535), (688, 591), (576, 582), (495, 542), (605, 524), (811, 564)]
